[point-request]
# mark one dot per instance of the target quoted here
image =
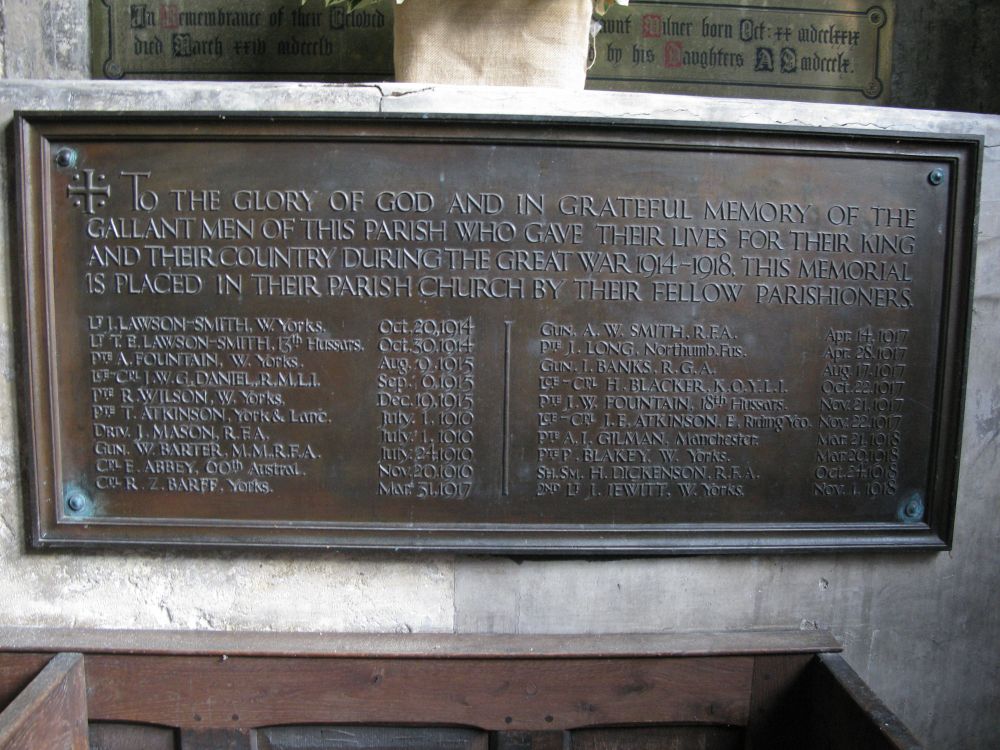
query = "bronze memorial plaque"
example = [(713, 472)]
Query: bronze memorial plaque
[(522, 336)]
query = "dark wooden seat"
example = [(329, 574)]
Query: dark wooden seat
[(222, 691)]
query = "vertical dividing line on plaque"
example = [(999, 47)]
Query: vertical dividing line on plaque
[(505, 416)]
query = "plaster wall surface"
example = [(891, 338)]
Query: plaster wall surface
[(922, 628), (44, 39)]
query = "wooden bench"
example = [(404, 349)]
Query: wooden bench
[(134, 690)]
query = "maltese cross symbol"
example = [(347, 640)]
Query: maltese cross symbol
[(88, 194)]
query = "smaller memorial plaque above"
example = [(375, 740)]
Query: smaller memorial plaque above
[(240, 40), (817, 50), (546, 336)]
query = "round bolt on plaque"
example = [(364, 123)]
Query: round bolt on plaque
[(76, 501), (66, 158)]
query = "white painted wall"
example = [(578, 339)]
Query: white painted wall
[(922, 628)]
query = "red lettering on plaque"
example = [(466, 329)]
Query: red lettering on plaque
[(673, 55), (652, 26), (169, 16)]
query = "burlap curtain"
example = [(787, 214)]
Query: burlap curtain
[(493, 42)]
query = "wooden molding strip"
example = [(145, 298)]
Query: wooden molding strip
[(430, 645), (492, 694)]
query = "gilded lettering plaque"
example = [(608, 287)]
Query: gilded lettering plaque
[(820, 50), (537, 336), (240, 39), (824, 50)]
